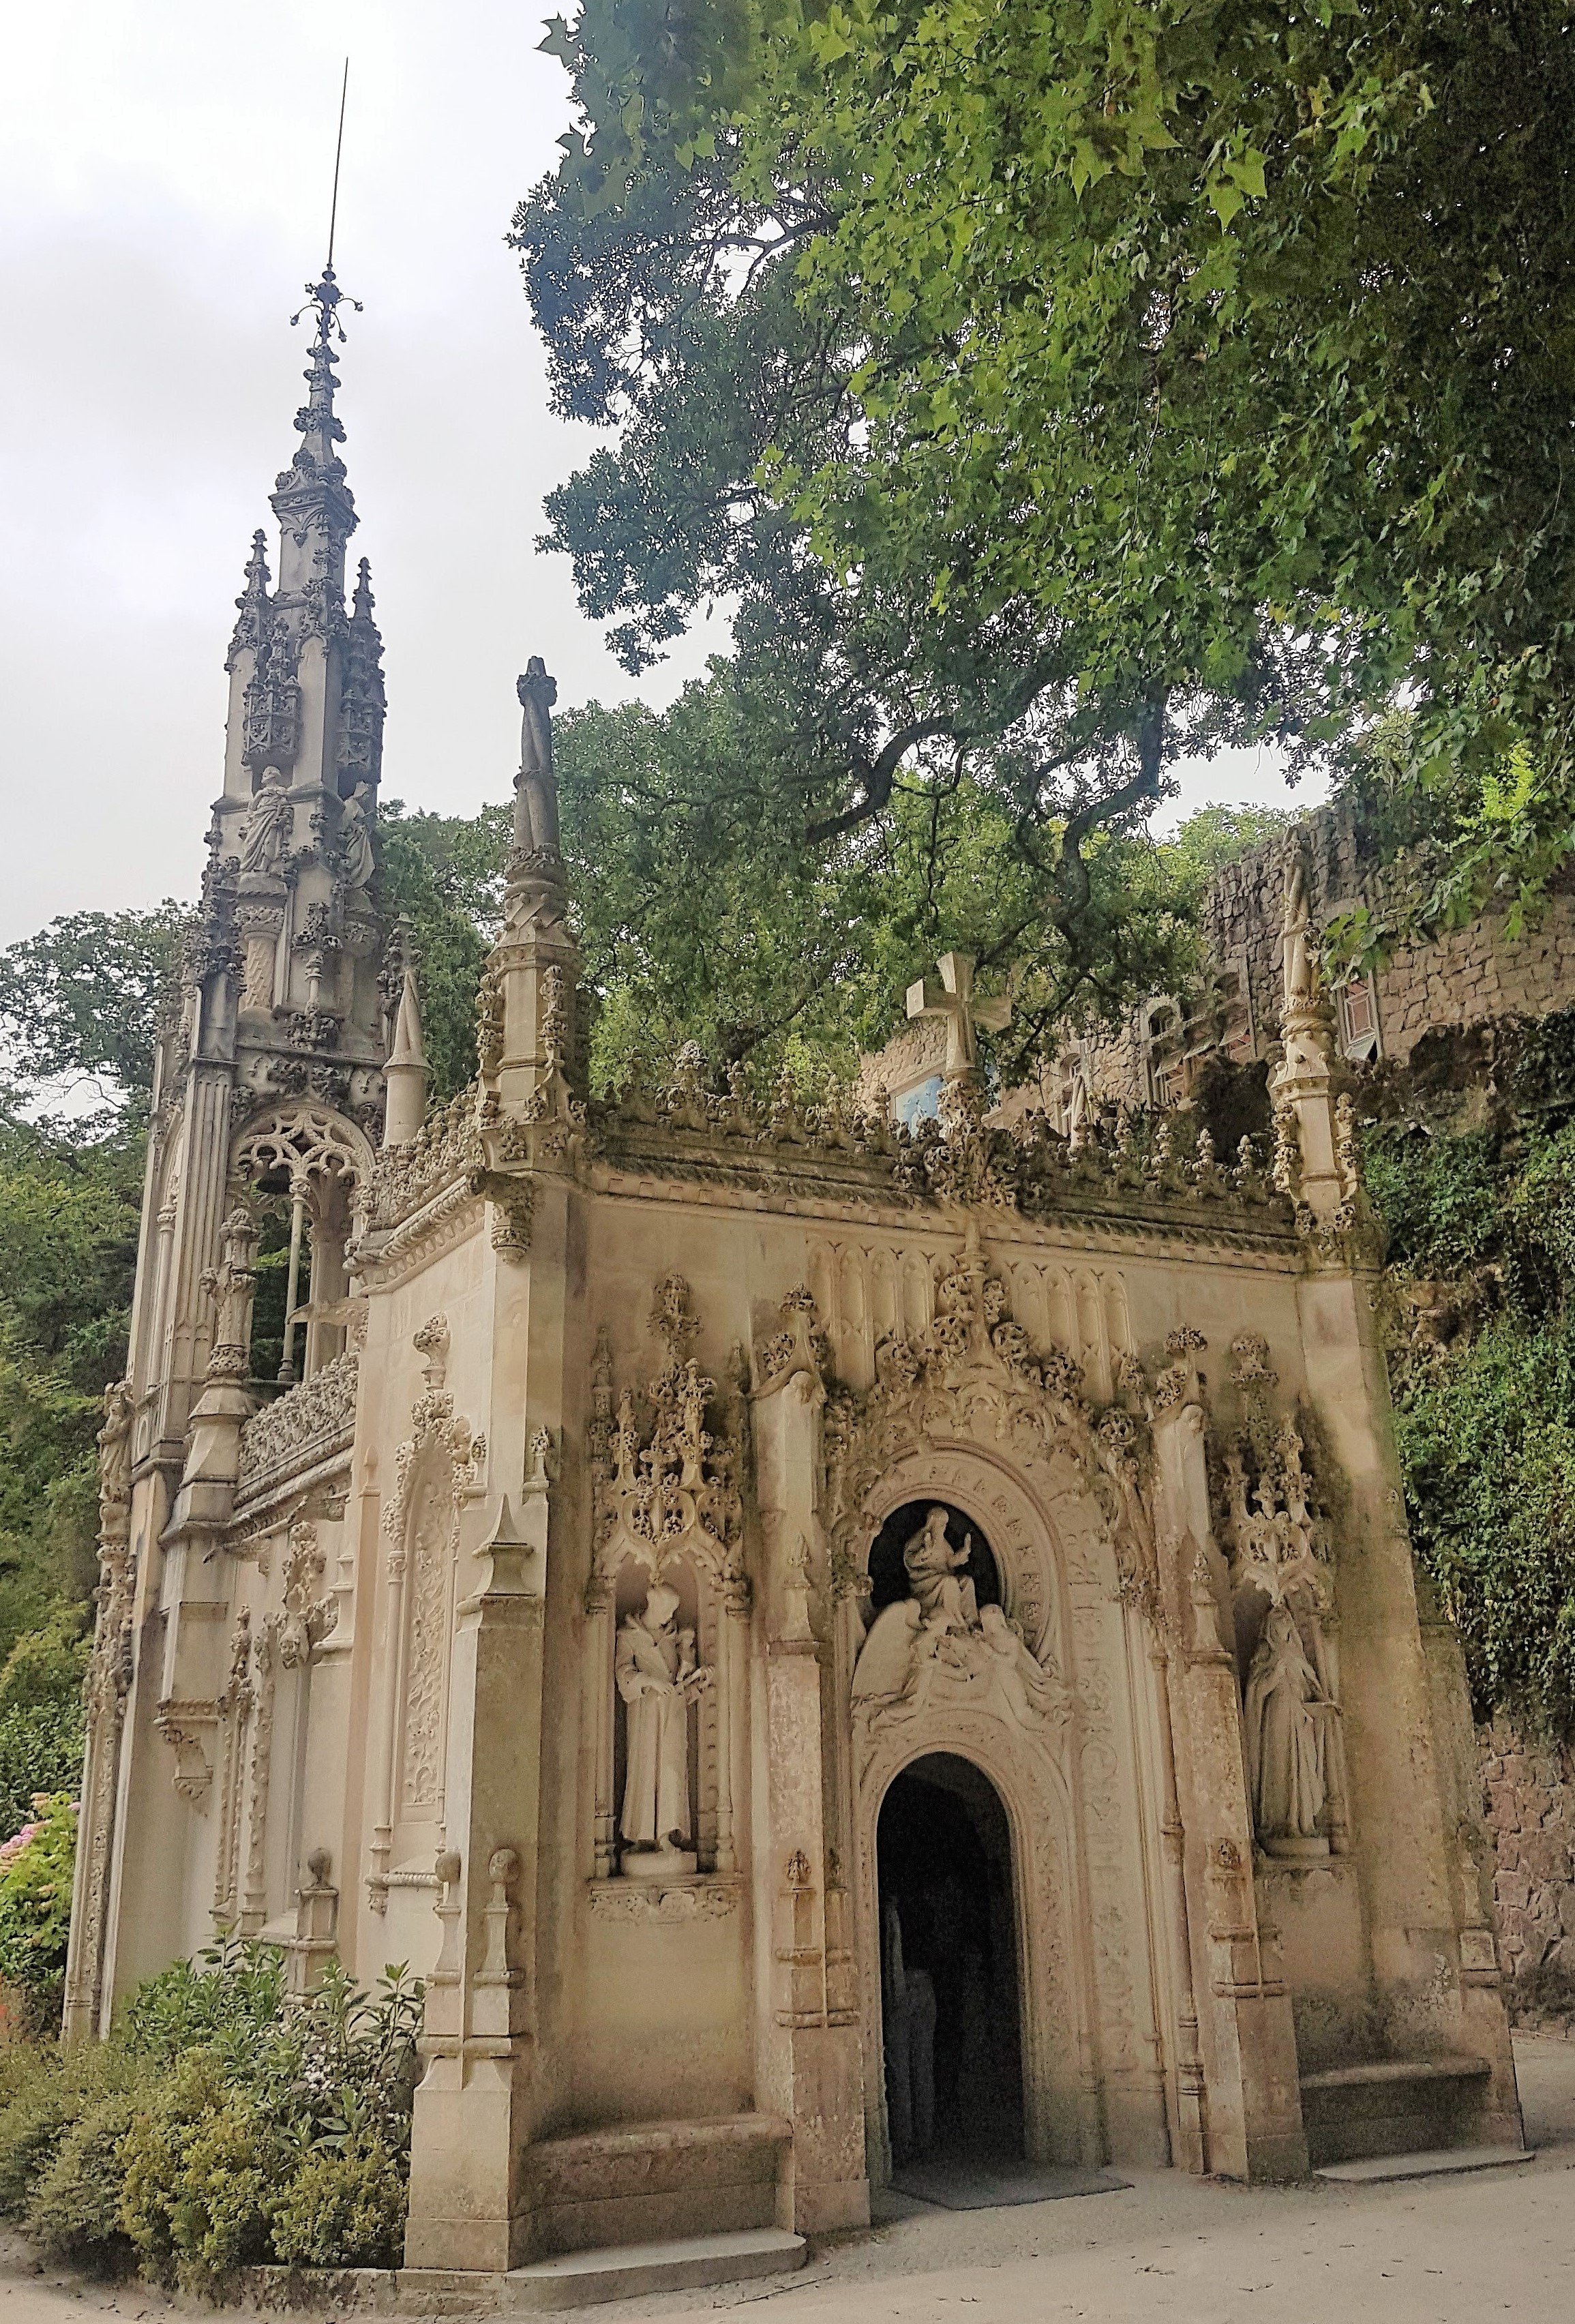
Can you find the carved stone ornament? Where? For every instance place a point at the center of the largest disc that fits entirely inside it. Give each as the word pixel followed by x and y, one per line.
pixel 310 1615
pixel 307 1425
pixel 938 1650
pixel 308 1144
pixel 439 1466
pixel 1276 1541
pixel 973 1375
pixel 672 1902
pixel 665 1486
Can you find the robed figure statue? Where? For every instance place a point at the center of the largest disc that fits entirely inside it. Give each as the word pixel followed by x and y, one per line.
pixel 536 786
pixel 1284 1712
pixel 658 1677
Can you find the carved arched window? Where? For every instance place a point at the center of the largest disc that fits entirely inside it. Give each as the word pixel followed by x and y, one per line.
pixel 303 1167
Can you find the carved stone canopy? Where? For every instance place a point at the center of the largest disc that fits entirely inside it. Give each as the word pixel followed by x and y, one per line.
pixel 665 1464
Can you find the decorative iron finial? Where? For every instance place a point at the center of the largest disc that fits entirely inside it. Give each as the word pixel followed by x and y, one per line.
pixel 324 299
pixel 326 296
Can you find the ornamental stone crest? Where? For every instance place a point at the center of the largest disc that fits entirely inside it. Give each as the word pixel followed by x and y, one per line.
pixel 665 1465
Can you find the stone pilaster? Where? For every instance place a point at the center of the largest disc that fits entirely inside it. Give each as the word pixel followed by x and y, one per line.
pixel 470 2130
pixel 808 2048
pixel 1250 2120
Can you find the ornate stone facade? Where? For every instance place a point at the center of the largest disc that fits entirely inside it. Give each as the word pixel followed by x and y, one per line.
pixel 732 1559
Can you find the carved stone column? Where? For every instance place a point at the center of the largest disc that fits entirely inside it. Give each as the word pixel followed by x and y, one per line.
pixel 808 2045
pixel 470 2129
pixel 108 1677
pixel 1245 2028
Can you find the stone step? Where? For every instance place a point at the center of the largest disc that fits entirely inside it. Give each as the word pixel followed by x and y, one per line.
pixel 1433 2164
pixel 626 2270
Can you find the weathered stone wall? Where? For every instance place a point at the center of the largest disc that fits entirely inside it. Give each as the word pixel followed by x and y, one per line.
pixel 1529 1802
pixel 1476 972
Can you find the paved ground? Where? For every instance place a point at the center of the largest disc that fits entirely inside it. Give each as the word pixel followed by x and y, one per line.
pixel 1446 2250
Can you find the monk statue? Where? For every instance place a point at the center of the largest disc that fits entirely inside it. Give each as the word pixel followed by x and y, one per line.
pixel 266 832
pixel 536 788
pixel 1284 1712
pixel 658 1678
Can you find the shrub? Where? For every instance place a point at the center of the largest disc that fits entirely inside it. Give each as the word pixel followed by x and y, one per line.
pixel 73 2207
pixel 40 1750
pixel 35 1903
pixel 46 1666
pixel 224 2123
pixel 343 2208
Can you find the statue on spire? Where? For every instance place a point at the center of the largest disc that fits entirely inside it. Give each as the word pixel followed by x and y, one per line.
pixel 536 786
pixel 1301 974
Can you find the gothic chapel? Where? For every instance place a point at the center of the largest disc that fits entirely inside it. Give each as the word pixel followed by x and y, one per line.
pixel 821 1642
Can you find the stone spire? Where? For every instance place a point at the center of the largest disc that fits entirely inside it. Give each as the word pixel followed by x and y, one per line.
pixel 312 500
pixel 1316 1161
pixel 287 1010
pixel 405 1072
pixel 533 966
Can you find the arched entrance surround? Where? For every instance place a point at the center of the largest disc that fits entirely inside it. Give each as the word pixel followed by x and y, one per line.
pixel 1036 1772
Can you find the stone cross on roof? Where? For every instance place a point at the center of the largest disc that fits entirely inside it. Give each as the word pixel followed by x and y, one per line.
pixel 952 1001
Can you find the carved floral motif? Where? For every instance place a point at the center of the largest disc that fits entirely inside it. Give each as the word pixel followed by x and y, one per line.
pixel 307 1424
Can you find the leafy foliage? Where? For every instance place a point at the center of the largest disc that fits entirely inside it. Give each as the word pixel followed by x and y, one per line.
pixel 1108 383
pixel 35 1902
pixel 1481 1295
pixel 79 1001
pixel 69 1205
pixel 1486 1438
pixel 40 1750
pixel 222 2123
pixel 443 875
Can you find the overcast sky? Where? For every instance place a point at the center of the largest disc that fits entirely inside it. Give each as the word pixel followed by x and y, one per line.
pixel 164 180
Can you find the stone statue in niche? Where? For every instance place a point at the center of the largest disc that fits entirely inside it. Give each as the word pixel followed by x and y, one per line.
pixel 266 833
pixel 1285 1711
pixel 933 1567
pixel 355 838
pixel 940 1648
pixel 658 1677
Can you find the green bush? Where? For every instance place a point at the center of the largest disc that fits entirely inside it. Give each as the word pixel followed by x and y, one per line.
pixel 46 1666
pixel 1486 1440
pixel 344 2207
pixel 40 1750
pixel 224 2123
pixel 71 2208
pixel 35 1903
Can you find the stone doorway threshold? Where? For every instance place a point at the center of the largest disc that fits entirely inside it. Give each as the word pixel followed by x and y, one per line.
pixel 985 2185
pixel 626 2270
pixel 1369 2169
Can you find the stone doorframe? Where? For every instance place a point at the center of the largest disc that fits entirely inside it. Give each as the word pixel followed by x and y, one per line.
pixel 1035 1774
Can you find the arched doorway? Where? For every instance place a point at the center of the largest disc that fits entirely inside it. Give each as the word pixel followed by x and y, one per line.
pixel 949 1975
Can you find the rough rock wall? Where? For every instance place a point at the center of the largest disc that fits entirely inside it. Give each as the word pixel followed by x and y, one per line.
pixel 1529 1802
pixel 1474 974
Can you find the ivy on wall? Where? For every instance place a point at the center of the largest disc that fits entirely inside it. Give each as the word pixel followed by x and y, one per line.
pixel 1473 1173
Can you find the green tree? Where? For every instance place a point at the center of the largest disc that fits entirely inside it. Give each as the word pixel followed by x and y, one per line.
pixel 1116 382
pixel 443 875
pixel 703 915
pixel 79 1001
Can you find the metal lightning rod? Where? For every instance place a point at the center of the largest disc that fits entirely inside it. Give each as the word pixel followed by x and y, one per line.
pixel 338 153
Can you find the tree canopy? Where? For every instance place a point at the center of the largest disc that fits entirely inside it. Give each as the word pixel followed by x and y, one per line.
pixel 1056 392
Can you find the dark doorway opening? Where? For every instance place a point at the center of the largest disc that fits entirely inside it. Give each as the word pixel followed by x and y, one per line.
pixel 949 1987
